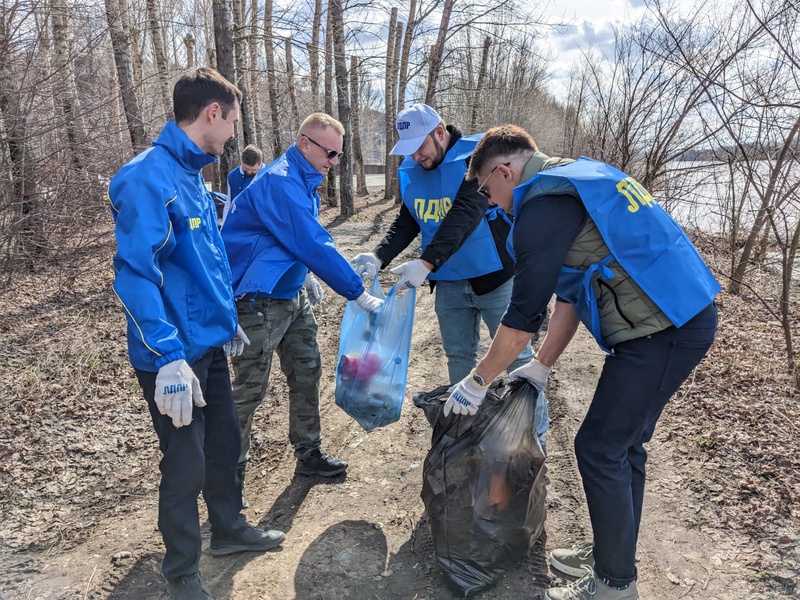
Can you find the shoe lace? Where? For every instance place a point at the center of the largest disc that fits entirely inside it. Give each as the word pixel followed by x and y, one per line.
pixel 585 550
pixel 585 586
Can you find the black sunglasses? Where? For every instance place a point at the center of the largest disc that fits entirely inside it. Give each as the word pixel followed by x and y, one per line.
pixel 330 154
pixel 483 192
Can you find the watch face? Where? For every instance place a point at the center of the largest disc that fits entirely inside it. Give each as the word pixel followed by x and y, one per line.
pixel 478 379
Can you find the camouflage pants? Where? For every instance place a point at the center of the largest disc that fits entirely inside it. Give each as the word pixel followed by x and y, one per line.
pixel 288 327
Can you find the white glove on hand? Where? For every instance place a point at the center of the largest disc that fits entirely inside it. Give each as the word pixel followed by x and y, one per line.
pixel 411 274
pixel 236 346
pixel 313 289
pixel 466 397
pixel 371 304
pixel 534 371
pixel 176 387
pixel 366 264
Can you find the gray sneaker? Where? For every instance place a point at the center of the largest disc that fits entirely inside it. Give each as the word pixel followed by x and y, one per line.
pixel 573 561
pixel 188 587
pixel 591 587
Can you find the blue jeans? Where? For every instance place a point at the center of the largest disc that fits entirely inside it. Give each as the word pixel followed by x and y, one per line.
pixel 633 389
pixel 200 456
pixel 460 310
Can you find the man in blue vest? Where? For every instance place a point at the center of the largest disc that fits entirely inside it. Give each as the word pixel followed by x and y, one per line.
pixel 173 280
pixel 275 245
pixel 240 177
pixel 618 263
pixel 463 239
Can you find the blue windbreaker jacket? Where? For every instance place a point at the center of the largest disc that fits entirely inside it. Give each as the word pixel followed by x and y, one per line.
pixel 238 181
pixel 172 275
pixel 272 236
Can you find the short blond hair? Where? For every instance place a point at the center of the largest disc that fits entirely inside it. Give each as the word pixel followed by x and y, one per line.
pixel 319 120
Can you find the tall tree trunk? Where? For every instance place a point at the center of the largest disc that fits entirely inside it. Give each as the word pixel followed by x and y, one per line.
pixel 122 60
pixel 243 79
pixel 255 97
pixel 188 41
pixel 67 94
pixel 272 85
pixel 290 83
pixel 473 122
pixel 154 21
pixel 437 53
pixel 346 161
pixel 223 41
pixel 26 213
pixel 313 55
pixel 330 194
pixel 355 110
pixel 398 38
pixel 403 75
pixel 389 105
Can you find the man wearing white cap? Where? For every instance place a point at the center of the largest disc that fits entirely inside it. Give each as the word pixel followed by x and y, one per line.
pixel 463 239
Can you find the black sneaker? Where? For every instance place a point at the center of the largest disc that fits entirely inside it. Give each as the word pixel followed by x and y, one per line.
pixel 319 463
pixel 247 539
pixel 188 587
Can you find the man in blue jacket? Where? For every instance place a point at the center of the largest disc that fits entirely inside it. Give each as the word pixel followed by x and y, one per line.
pixel 174 283
pixel 240 177
pixel 275 245
pixel 618 263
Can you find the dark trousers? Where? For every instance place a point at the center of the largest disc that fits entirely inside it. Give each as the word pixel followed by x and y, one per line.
pixel 634 387
pixel 200 456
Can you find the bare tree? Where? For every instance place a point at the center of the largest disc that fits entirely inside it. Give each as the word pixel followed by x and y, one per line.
pixel 313 55
pixel 243 80
pixel 336 13
pixel 272 85
pixel 66 94
pixel 406 52
pixel 435 62
pixel 473 122
pixel 355 109
pixel 223 41
pixel 156 35
pixel 122 60
pixel 389 174
pixel 252 45
pixel 331 195
pixel 295 123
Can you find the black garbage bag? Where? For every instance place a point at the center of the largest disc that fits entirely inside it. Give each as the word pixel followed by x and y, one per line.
pixel 483 484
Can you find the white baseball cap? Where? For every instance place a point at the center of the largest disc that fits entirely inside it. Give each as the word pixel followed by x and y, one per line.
pixel 413 126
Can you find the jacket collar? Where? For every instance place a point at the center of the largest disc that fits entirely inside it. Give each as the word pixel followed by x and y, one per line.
pixel 173 139
pixel 310 176
pixel 535 164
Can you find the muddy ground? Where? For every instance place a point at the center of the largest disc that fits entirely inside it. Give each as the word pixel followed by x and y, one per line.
pixel 79 462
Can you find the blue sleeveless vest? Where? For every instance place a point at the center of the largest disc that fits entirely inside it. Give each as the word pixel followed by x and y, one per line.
pixel 642 238
pixel 428 195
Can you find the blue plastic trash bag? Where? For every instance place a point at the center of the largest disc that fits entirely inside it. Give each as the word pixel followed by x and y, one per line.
pixel 372 365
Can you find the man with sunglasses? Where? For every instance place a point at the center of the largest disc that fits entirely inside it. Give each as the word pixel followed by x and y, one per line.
pixel 620 265
pixel 464 252
pixel 275 244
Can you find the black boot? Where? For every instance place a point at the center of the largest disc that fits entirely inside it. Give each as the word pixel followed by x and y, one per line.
pixel 240 471
pixel 319 463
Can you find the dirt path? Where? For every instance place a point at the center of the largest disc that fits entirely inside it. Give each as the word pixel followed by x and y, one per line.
pixel 364 536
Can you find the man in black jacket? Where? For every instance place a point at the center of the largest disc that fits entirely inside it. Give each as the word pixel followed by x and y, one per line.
pixel 463 239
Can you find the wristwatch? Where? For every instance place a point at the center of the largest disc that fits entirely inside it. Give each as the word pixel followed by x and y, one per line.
pixel 477 378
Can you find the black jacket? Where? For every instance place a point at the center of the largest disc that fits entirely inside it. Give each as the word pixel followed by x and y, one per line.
pixel 469 207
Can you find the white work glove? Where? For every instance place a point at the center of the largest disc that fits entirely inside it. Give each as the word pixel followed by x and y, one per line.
pixel 371 304
pixel 366 264
pixel 466 397
pixel 236 346
pixel 411 274
pixel 534 371
pixel 313 289
pixel 176 387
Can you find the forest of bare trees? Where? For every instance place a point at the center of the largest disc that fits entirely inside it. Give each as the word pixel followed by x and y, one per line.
pixel 86 85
